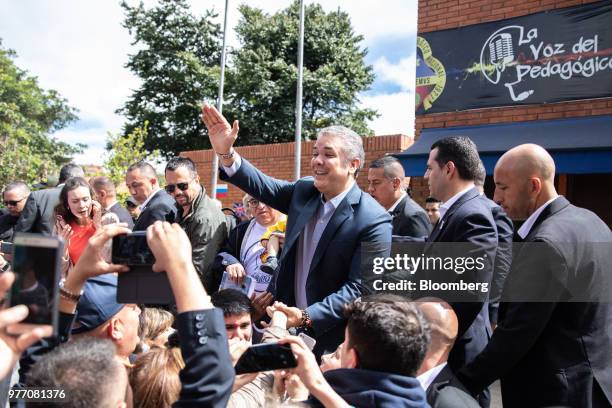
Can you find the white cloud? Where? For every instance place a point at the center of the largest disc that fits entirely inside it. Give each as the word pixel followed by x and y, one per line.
pixel 402 73
pixel 397 113
pixel 79 48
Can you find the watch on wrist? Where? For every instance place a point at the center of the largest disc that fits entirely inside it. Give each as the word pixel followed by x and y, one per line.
pixel 5 267
pixel 306 321
pixel 73 297
pixel 228 155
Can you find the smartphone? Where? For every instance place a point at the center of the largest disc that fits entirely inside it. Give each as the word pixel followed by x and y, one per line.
pixel 247 286
pixel 265 357
pixel 309 341
pixel 132 249
pixel 6 247
pixel 140 285
pixel 37 265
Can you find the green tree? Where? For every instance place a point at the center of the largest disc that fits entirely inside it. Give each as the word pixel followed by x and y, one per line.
pixel 263 80
pixel 178 63
pixel 125 150
pixel 28 116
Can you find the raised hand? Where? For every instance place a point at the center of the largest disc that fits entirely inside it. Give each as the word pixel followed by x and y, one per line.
pixel 221 134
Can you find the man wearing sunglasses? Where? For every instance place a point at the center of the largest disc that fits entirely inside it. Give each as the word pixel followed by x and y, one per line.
pixel 198 215
pixel 14 198
pixel 155 203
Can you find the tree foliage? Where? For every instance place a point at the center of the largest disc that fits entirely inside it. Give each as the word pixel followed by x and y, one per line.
pixel 28 116
pixel 178 63
pixel 262 82
pixel 125 150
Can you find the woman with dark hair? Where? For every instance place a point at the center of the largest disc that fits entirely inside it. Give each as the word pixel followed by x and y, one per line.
pixel 77 216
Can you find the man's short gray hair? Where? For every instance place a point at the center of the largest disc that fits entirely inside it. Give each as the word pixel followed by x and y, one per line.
pixel 16 185
pixel 352 145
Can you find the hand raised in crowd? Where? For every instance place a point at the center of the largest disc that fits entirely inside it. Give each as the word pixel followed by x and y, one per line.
pixel 236 272
pixel 11 347
pixel 310 374
pixel 260 303
pixel 281 238
pixel 237 347
pixel 63 230
pixel 221 135
pixel 92 263
pixel 172 250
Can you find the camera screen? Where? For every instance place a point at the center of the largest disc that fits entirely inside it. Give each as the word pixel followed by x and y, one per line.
pixel 36 270
pixel 132 249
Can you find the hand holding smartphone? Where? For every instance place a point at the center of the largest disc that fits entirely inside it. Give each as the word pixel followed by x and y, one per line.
pixel 265 357
pixel 37 267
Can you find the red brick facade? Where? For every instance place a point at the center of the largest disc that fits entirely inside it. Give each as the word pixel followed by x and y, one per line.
pixel 435 15
pixel 276 160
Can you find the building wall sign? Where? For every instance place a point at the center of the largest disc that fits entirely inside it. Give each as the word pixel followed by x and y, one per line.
pixel 553 56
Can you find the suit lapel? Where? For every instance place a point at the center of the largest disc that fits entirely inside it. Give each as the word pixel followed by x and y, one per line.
pixel 344 211
pixel 437 231
pixel 306 215
pixel 557 205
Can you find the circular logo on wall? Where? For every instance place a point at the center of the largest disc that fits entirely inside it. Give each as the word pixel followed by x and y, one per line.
pixel 430 76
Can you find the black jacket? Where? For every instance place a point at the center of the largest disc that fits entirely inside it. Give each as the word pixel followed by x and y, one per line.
pixel 161 208
pixel 409 219
pixel 7 222
pixel 37 214
pixel 446 391
pixel 553 353
pixel 468 220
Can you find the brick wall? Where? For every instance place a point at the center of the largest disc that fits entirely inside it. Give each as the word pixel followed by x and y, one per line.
pixel 435 15
pixel 276 160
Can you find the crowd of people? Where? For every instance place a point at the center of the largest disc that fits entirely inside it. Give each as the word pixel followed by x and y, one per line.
pixel 301 245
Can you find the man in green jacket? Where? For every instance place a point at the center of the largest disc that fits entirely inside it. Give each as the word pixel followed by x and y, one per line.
pixel 200 217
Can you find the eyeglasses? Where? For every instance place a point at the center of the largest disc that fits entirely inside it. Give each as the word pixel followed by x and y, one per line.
pixel 13 203
pixel 253 203
pixel 181 186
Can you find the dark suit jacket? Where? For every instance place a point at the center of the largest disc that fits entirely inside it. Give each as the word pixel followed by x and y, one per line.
pixel 123 214
pixel 469 220
pixel 335 276
pixel 7 222
pixel 503 256
pixel 162 207
pixel 446 391
pixel 553 353
pixel 37 215
pixel 230 252
pixel 409 219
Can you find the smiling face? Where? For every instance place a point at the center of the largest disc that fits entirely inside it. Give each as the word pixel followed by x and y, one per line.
pixel 79 202
pixel 332 171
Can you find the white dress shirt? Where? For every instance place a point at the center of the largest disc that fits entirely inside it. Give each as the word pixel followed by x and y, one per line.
pixel 392 208
pixel 143 205
pixel 528 224
pixel 449 203
pixel 428 376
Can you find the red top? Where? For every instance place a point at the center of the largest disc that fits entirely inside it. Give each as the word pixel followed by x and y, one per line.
pixel 78 240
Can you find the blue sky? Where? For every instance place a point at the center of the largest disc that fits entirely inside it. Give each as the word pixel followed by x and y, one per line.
pixel 79 49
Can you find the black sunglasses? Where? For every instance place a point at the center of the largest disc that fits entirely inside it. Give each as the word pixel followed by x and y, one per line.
pixel 181 186
pixel 13 203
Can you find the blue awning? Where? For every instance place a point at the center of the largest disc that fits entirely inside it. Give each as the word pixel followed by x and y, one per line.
pixel 578 146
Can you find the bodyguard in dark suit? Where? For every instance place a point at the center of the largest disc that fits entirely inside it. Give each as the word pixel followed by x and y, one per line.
pixel 503 256
pixel 442 388
pixel 37 215
pixel 464 218
pixel 14 198
pixel 106 195
pixel 553 344
pixel 385 184
pixel 329 220
pixel 155 203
